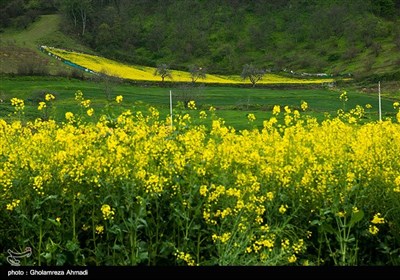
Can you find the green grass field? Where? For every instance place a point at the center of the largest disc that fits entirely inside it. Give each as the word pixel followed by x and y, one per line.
pixel 232 103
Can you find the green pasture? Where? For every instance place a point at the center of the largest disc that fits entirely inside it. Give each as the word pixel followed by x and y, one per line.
pixel 231 103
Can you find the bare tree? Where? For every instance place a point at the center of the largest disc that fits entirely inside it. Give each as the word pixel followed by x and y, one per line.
pixel 108 82
pixel 197 72
pixel 78 10
pixel 253 73
pixel 163 71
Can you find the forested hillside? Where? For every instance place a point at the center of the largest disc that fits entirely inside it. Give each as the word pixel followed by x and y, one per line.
pixel 340 37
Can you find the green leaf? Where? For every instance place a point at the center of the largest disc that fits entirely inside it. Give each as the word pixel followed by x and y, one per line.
pixel 116 247
pixel 72 246
pixel 315 222
pixel 61 259
pixel 356 217
pixel 143 256
pixel 54 222
pixel 327 228
pixel 47 256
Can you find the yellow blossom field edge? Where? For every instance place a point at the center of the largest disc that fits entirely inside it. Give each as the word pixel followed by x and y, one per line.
pixel 143 73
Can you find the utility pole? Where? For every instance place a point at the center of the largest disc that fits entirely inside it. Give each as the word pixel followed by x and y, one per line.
pixel 170 105
pixel 380 104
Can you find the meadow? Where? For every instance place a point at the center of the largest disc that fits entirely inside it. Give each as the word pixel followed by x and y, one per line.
pixel 232 102
pixel 241 176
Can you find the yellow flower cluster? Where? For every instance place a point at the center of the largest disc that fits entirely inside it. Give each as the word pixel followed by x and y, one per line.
pixel 49 97
pixel 343 96
pixel 251 117
pixel 99 229
pixel 13 204
pixel 41 105
pixel 19 105
pixel 119 98
pixel 304 105
pixel 221 238
pixel 108 212
pixel 186 257
pixel 16 102
pixel 283 208
pixel 377 219
pixel 192 105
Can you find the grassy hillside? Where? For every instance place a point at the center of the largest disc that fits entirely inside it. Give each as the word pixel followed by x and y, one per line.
pixel 360 37
pixel 19 52
pixel 19 49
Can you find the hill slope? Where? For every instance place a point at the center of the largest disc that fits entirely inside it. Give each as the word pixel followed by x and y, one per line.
pixel 361 37
pixel 19 49
pixel 20 54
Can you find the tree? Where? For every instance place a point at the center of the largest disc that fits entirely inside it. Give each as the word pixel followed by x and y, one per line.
pixel 163 71
pixel 108 81
pixel 253 73
pixel 197 72
pixel 78 11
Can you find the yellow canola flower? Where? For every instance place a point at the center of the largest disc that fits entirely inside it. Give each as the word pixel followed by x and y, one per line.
pixel 292 258
pixel 11 206
pixel 203 190
pixel 276 110
pixel 49 97
pixel 119 98
pixel 397 184
pixel 283 208
pixel 69 116
pixel 341 214
pixel 343 97
pixel 185 257
pixel 17 102
pixel 99 229
pixel 192 105
pixel 304 105
pixel 251 117
pixel 108 212
pixel 90 112
pixel 378 219
pixel 41 105
pixel 85 103
pixel 373 229
pixel 270 196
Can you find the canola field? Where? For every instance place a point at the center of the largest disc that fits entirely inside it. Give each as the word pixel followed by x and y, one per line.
pixel 96 64
pixel 136 189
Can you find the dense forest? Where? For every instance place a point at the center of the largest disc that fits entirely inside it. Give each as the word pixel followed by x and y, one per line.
pixel 223 35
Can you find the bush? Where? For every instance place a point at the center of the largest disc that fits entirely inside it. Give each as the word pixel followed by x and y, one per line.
pixel 32 67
